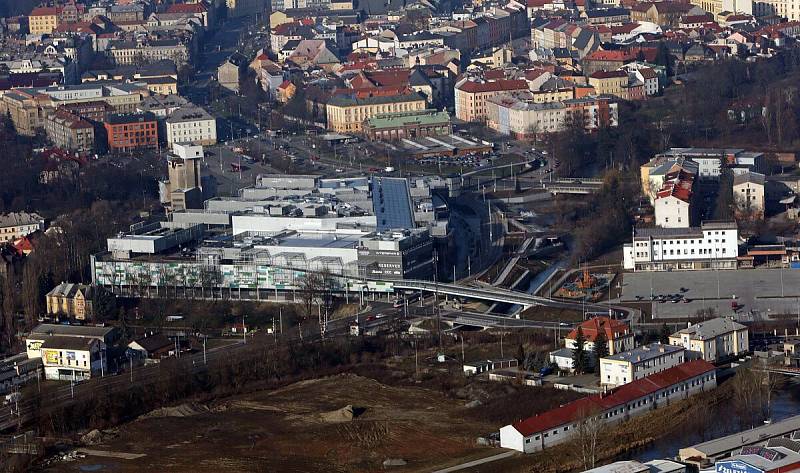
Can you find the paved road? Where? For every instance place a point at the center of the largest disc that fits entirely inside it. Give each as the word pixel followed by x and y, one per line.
pixel 762 291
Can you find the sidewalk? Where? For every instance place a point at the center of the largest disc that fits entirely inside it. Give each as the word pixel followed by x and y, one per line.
pixel 499 456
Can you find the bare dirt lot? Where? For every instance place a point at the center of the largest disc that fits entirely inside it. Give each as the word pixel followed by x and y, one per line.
pixel 299 428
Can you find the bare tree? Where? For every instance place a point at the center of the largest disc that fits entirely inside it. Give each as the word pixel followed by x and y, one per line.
pixel 587 435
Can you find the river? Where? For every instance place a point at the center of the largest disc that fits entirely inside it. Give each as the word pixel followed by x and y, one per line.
pixel 722 420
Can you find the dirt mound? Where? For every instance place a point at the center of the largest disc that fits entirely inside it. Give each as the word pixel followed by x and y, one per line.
pixel 94 437
pixel 181 410
pixel 345 414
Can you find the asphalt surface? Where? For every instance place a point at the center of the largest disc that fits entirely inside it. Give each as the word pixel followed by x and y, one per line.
pixel 759 293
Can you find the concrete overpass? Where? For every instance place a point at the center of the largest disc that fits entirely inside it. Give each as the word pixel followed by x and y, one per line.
pixel 500 295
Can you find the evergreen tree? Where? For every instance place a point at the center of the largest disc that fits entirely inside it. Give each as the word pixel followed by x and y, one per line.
pixel 579 353
pixel 664 335
pixel 600 349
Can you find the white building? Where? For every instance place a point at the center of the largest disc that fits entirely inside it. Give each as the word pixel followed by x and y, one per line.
pixel 16 225
pixel 713 340
pixel 191 125
pixel 712 245
pixel 622 368
pixel 639 397
pixel 748 193
pixel 673 209
pixel 71 358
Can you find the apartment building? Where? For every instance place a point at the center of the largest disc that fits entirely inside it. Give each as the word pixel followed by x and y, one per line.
pixel 748 193
pixel 519 115
pixel 69 131
pixel 472 95
pixel 73 301
pixel 674 205
pixel 713 340
pixel 623 368
pixel 16 225
pixel 347 112
pixel 610 83
pixel 712 245
pixel 43 20
pixel 130 132
pixel 191 125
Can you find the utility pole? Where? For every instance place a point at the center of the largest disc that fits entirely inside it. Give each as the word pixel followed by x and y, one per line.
pixel 244 331
pixel 205 361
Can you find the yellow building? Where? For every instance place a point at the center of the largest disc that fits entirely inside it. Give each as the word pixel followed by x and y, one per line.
pixel 74 301
pixel 559 95
pixel 347 113
pixel 609 82
pixel 43 20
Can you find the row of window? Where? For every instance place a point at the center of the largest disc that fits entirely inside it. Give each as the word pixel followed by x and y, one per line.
pixel 639 403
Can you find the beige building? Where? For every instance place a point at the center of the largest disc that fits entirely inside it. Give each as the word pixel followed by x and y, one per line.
pixel 43 20
pixel 609 82
pixel 471 96
pixel 16 225
pixel 347 113
pixel 748 193
pixel 69 131
pixel 28 107
pixel 713 340
pixel 625 367
pixel 74 301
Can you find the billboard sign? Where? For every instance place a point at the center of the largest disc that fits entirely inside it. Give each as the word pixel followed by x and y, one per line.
pixel 50 356
pixel 735 466
pixel 70 355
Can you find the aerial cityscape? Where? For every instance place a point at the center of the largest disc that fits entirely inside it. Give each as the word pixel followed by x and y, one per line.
pixel 540 236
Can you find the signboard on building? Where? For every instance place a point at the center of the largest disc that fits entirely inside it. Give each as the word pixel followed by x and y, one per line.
pixel 50 356
pixel 70 355
pixel 735 466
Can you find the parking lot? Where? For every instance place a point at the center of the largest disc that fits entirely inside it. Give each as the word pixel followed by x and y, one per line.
pixel 758 293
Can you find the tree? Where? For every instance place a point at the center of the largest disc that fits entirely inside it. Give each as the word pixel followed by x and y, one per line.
pixel 579 358
pixel 587 434
pixel 600 349
pixel 663 336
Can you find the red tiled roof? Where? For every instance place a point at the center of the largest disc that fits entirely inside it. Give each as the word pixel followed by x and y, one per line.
pixel 390 77
pixel 614 55
pixel 494 74
pixel 608 74
pixel 187 8
pixel 473 87
pixel 576 410
pixel 590 328
pixel 44 11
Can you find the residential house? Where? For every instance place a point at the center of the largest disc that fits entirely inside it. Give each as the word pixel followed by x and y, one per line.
pixel 619 338
pixel 72 301
pixel 16 225
pixel 152 346
pixel 605 61
pixel 674 202
pixel 748 194
pixel 623 368
pixel 713 340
